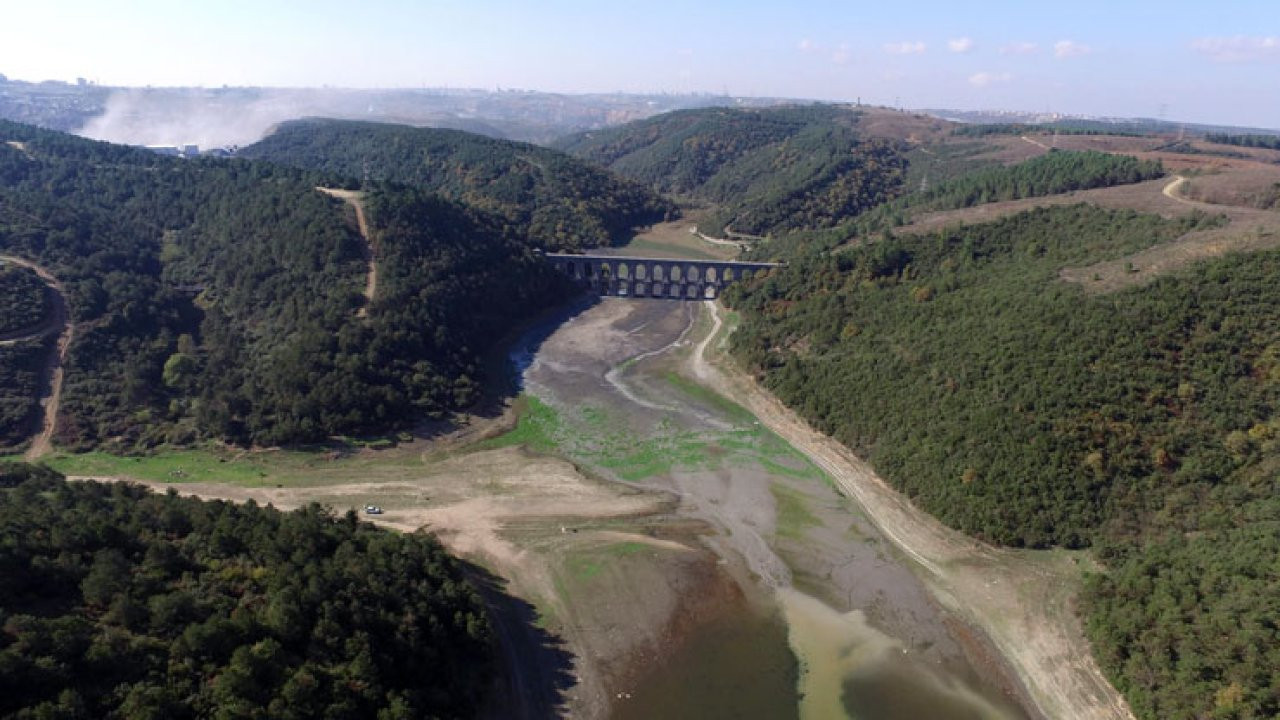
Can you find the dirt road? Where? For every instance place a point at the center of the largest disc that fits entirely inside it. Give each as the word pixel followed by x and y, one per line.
pixel 1024 601
pixel 60 317
pixel 718 241
pixel 355 199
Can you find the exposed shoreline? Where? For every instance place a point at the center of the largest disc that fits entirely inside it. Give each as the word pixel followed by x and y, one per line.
pixel 1021 601
pixel 626 575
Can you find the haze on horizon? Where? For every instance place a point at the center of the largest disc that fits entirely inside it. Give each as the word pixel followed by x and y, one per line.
pixel 1177 60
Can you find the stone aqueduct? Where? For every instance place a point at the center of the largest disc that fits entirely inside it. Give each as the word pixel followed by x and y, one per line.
pixel 654 277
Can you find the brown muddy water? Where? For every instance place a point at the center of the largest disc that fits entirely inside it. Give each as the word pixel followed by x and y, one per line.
pixel 837 625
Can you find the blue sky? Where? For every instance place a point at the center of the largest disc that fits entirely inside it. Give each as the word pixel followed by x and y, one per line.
pixel 1206 62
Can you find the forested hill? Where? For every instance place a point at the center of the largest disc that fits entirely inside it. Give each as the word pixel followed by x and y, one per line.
pixel 121 603
pixel 1054 173
pixel 769 170
pixel 1021 409
pixel 559 202
pixel 218 298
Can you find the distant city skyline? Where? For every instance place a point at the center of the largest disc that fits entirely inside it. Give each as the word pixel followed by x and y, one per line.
pixel 1176 60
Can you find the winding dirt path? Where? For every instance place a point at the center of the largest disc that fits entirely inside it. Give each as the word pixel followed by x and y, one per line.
pixel 1023 600
pixel 1171 191
pixel 59 317
pixel 355 199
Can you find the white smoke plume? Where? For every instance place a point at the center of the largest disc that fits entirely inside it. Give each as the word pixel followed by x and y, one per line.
pixel 209 118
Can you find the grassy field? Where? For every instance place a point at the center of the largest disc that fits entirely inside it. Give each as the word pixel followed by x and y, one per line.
pixel 794 516
pixel 215 464
pixel 537 428
pixel 601 439
pixel 673 240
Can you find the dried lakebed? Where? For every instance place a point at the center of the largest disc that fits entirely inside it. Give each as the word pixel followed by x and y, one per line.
pixel 654 550
pixel 832 622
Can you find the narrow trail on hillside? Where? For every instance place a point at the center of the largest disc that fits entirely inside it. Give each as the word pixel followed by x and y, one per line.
pixel 1023 600
pixel 355 199
pixel 1037 143
pixel 1171 191
pixel 59 317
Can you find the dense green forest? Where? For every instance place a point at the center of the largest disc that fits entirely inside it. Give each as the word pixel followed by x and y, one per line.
pixel 1060 128
pixel 1271 142
pixel 21 372
pixel 965 182
pixel 559 202
pixel 1018 408
pixel 118 602
pixel 1050 174
pixel 22 299
pixel 1053 173
pixel 769 171
pixel 962 178
pixel 218 298
pixel 24 304
pixel 451 282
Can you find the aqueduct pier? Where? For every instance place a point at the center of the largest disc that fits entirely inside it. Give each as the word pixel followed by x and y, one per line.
pixel 625 276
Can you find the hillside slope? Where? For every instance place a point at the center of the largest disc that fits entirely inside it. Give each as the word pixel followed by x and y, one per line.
pixel 220 298
pixel 559 202
pixel 1026 411
pixel 768 170
pixel 160 606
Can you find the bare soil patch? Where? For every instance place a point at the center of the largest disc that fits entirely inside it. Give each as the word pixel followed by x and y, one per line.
pixel 1122 144
pixel 1009 149
pixel 899 125
pixel 1244 186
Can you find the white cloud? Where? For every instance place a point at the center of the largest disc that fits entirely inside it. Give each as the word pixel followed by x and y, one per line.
pixel 1020 48
pixel 805 45
pixel 960 45
pixel 985 79
pixel 1240 48
pixel 1069 48
pixel 841 55
pixel 905 48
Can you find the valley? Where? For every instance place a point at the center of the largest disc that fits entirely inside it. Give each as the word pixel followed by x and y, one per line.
pixel 1001 396
pixel 673 512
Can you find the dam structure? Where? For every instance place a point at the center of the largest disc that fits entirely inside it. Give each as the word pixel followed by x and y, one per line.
pixel 674 278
